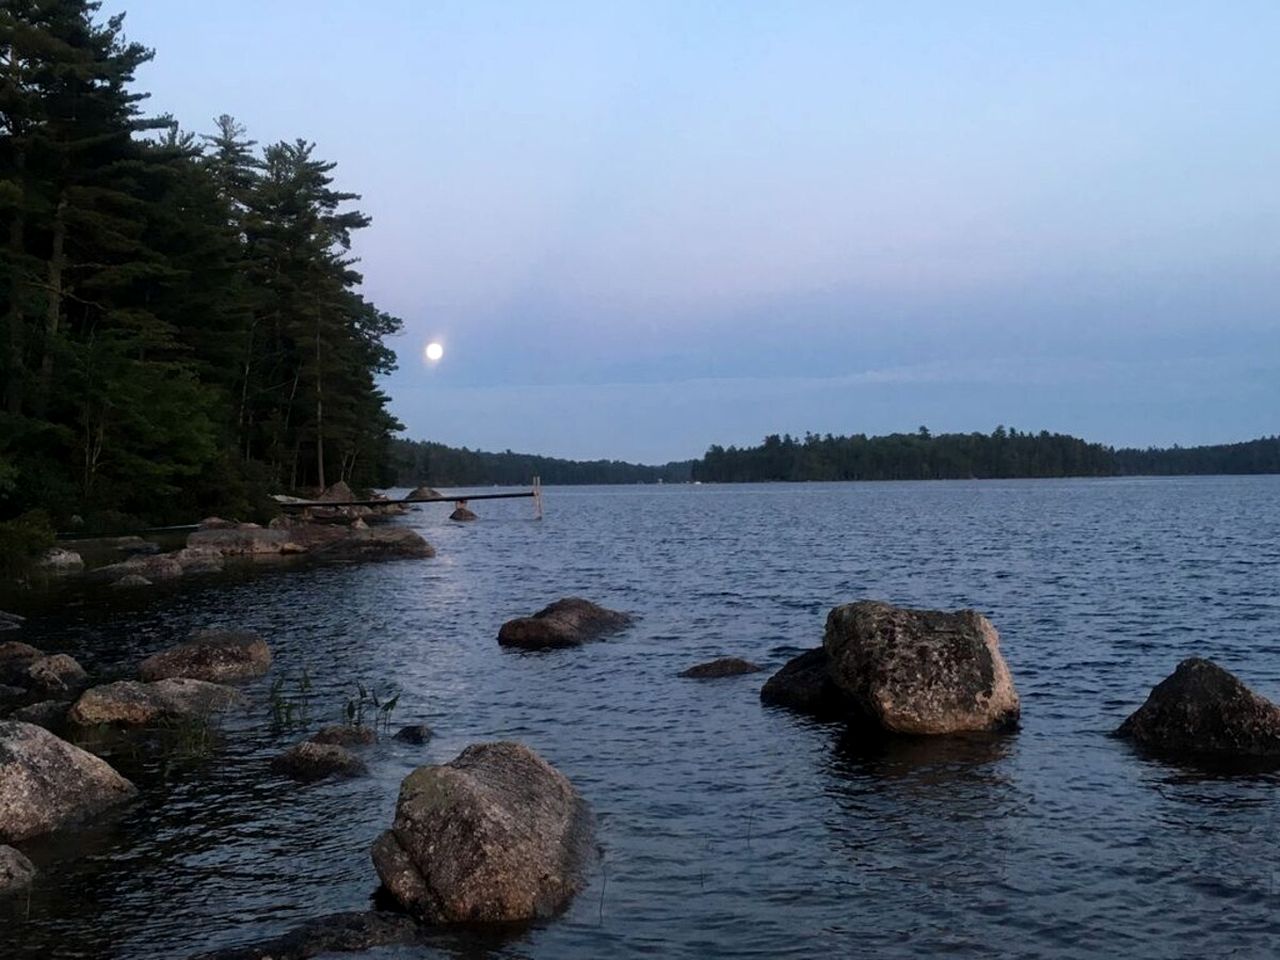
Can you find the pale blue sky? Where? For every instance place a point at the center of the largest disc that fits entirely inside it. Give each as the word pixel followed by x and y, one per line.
pixel 640 228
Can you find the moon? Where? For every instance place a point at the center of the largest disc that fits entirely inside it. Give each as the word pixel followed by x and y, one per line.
pixel 434 351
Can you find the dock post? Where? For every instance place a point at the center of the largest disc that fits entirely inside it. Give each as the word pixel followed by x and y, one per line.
pixel 537 498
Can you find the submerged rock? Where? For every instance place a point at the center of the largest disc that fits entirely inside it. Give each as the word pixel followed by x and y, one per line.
pixel 214 655
pixel 56 675
pixel 565 623
pixel 463 515
pixel 423 493
pixel 414 733
pixel 495 835
pixel 309 761
pixel 16 871
pixel 46 783
pixel 130 580
pixel 161 566
pixel 345 736
pixel 336 933
pixel 723 667
pixel 1203 710
pixel 921 671
pixel 129 703
pixel 804 684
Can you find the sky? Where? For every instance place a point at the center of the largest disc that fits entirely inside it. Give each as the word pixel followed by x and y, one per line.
pixel 640 228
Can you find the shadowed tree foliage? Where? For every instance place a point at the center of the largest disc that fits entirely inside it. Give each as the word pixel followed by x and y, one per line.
pixel 182 327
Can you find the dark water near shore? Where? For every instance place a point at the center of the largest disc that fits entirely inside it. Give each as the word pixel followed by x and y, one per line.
pixel 730 829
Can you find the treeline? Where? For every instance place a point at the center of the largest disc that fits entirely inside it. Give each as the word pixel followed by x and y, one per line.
pixel 181 327
pixel 1004 453
pixel 1252 456
pixel 442 466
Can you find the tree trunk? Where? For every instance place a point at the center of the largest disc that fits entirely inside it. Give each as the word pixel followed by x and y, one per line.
pixel 53 310
pixel 13 389
pixel 319 412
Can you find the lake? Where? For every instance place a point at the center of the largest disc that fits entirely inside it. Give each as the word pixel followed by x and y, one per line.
pixel 729 829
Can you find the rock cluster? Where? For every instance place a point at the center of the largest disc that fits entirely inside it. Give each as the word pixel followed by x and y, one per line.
pixel 495 835
pixel 566 623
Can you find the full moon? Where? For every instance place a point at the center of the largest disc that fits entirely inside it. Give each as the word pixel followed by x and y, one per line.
pixel 434 352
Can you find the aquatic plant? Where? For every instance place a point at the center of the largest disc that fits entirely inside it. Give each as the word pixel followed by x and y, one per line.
pixel 289 710
pixel 366 699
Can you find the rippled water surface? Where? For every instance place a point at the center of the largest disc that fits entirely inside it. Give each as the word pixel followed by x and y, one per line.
pixel 730 829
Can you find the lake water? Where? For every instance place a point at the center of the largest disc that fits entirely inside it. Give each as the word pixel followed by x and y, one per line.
pixel 730 829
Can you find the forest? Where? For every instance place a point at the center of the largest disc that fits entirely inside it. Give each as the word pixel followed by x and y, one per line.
pixel 443 466
pixel 181 324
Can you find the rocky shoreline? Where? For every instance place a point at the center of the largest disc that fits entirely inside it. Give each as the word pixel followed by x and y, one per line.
pixel 497 834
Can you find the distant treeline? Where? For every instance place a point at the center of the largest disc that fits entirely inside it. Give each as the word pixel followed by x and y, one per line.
pixel 442 466
pixel 1004 453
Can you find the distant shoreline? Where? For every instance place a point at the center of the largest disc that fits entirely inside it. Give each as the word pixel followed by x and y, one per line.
pixel 1000 455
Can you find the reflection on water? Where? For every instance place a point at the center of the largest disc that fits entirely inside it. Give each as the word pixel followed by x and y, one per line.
pixel 729 830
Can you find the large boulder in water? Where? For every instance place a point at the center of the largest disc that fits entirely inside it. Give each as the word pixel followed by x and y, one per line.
pixel 128 703
pixel 495 835
pixel 565 623
pixel 1203 710
pixel 217 656
pixel 46 783
pixel 921 671
pixel 337 493
pixel 423 493
pixel 15 658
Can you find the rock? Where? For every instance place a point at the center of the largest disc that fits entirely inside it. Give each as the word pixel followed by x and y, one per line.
pixel 308 761
pixel 463 515
pixel 59 562
pixel 130 580
pixel 1203 710
pixel 358 524
pixel 16 871
pixel 345 736
pixel 239 542
pixel 495 835
pixel 218 656
pixel 338 493
pixel 50 714
pixel 724 667
pixel 10 695
pixel 414 733
pixel 196 560
pixel 336 933
pixel 921 671
pixel 805 685
pixel 565 623
pixel 15 658
pixel 162 566
pixel 330 541
pixel 46 783
pixel 423 493
pixel 57 675
pixel 215 523
pixel 128 703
